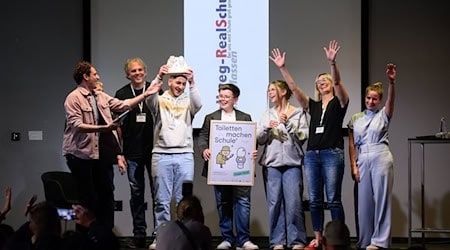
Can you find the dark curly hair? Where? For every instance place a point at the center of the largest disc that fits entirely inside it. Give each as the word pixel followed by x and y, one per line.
pixel 82 68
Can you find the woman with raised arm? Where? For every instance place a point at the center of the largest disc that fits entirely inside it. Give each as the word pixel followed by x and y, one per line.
pixel 372 164
pixel 324 159
pixel 283 131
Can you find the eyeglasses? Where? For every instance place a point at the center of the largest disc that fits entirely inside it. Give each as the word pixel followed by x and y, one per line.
pixel 322 81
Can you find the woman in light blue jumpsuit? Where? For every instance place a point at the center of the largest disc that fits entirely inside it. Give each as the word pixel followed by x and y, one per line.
pixel 372 164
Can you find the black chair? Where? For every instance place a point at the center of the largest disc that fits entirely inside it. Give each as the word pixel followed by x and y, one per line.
pixel 60 188
pixel 61 191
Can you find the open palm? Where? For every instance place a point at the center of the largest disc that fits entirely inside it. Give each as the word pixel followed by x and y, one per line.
pixel 278 58
pixel 332 50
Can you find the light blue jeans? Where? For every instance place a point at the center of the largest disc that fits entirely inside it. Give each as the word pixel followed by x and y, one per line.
pixel 233 204
pixel 325 168
pixel 169 172
pixel 286 216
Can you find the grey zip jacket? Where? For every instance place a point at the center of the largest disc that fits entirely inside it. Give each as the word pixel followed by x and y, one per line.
pixel 284 144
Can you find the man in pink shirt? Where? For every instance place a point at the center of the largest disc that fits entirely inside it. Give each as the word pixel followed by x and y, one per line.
pixel 91 143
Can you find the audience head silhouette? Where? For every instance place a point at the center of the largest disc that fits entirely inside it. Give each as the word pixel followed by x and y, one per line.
pixel 336 236
pixel 190 208
pixel 44 219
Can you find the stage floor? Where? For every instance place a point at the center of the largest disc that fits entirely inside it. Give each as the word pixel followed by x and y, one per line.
pixel 263 243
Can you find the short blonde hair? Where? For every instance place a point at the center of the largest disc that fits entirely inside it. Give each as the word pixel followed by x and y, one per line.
pixel 136 59
pixel 317 95
pixel 99 86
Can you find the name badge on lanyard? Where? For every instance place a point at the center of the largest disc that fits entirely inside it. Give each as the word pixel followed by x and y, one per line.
pixel 319 130
pixel 141 117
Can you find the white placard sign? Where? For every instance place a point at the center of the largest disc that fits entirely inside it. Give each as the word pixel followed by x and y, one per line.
pixel 232 144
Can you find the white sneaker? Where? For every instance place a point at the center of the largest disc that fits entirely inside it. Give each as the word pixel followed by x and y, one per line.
pixel 153 245
pixel 224 245
pixel 298 247
pixel 372 247
pixel 248 245
pixel 278 247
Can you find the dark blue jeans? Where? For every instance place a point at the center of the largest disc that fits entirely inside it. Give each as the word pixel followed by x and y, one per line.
pixel 136 178
pixel 233 204
pixel 325 168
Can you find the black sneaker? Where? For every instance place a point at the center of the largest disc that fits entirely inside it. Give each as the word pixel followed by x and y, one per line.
pixel 136 242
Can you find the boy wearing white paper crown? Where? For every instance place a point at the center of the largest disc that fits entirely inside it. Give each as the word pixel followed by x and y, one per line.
pixel 173 153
